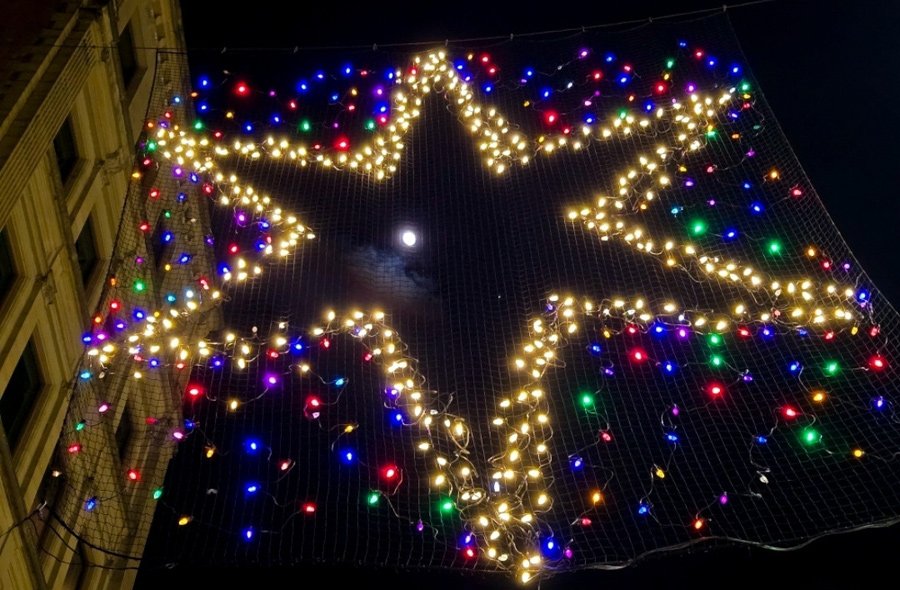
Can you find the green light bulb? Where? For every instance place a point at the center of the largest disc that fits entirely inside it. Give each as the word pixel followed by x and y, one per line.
pixel 698 227
pixel 715 339
pixel 370 125
pixel 811 436
pixel 773 247
pixel 305 125
pixel 157 493
pixel 716 361
pixel 373 498
pixel 80 426
pixel 587 400
pixel 151 146
pixel 670 63
pixel 832 368
pixel 139 286
pixel 198 125
pixel 447 505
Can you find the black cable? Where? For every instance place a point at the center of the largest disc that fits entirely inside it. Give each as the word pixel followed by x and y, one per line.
pixel 88 543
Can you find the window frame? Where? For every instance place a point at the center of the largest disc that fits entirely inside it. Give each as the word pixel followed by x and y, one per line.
pixel 65 151
pixel 87 267
pixel 8 270
pixel 129 65
pixel 17 428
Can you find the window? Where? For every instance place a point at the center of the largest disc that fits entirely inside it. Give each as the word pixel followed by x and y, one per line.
pixel 123 432
pixel 7 268
pixel 18 399
pixel 48 493
pixel 66 151
pixel 127 56
pixel 161 239
pixel 86 249
pixel 78 567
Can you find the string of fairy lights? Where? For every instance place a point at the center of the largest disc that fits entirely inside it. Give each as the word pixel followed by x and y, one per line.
pixel 502 504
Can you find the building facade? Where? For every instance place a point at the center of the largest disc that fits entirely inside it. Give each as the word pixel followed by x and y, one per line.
pixel 75 80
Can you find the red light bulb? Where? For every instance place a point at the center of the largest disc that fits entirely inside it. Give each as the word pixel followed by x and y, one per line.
pixel 551 117
pixel 390 472
pixel 308 508
pixel 790 412
pixel 133 475
pixel 877 362
pixel 715 389
pixel 241 89
pixel 638 355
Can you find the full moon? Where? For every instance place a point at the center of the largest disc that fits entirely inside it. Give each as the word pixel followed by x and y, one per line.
pixel 409 238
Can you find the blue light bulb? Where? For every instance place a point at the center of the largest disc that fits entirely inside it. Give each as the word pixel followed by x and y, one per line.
pixel 577 463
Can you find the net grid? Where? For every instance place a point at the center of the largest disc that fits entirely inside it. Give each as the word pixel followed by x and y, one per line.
pixel 624 322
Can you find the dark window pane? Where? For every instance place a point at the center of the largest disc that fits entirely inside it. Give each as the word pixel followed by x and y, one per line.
pixel 123 432
pixel 48 493
pixel 66 151
pixel 127 56
pixel 161 239
pixel 86 249
pixel 78 567
pixel 7 268
pixel 18 399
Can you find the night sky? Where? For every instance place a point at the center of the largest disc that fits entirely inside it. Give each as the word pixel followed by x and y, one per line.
pixel 826 73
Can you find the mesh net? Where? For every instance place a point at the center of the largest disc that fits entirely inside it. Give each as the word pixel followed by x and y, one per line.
pixel 544 305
